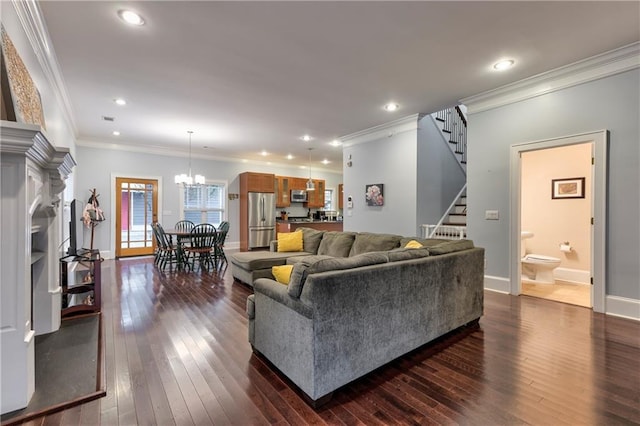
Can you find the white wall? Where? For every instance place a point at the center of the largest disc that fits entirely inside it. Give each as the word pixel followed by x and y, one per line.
pixel 611 103
pixel 390 161
pixel 97 165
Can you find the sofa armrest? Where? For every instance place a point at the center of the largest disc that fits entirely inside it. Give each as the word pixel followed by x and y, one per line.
pixel 278 292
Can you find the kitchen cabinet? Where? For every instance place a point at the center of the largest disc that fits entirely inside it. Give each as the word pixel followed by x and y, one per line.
pixel 282 191
pixel 315 199
pixel 257 182
pixel 297 183
pixel 80 278
pixel 340 196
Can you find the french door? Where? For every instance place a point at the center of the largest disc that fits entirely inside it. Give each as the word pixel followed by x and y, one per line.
pixel 136 210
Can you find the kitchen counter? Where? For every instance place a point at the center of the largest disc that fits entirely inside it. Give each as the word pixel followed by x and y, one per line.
pixel 321 225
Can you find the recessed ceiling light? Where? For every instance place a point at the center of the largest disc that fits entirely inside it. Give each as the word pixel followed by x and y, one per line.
pixel 504 64
pixel 120 101
pixel 264 153
pixel 115 133
pixel 306 138
pixel 130 17
pixel 289 157
pixel 335 142
pixel 325 161
pixel 391 106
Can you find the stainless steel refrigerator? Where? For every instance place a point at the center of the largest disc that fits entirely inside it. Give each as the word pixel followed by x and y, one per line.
pixel 262 219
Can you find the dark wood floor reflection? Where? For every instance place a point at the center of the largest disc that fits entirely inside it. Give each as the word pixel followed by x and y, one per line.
pixel 177 353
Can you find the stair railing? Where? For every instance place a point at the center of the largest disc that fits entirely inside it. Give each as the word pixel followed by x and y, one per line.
pixel 430 230
pixel 455 124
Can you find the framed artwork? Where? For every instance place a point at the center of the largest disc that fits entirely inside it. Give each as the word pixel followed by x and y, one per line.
pixel 374 194
pixel 567 188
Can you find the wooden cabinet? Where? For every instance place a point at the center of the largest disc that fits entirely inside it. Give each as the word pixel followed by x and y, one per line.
pixel 257 182
pixel 283 191
pixel 340 196
pixel 297 183
pixel 80 279
pixel 315 199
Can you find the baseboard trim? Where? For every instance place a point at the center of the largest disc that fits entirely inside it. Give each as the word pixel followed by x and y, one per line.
pixel 579 276
pixel 622 307
pixel 497 284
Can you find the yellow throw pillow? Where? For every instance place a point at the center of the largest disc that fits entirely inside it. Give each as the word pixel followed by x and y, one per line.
pixel 413 244
pixel 290 241
pixel 282 273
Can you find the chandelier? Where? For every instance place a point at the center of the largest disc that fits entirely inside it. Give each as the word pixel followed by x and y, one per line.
pixel 188 179
pixel 310 185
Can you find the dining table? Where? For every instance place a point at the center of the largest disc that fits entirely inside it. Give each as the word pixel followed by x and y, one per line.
pixel 181 235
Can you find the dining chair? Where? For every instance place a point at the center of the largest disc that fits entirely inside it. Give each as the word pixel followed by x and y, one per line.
pixel 168 253
pixel 184 225
pixel 201 246
pixel 221 236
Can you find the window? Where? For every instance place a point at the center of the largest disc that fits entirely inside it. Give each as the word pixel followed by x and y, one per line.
pixel 328 199
pixel 204 203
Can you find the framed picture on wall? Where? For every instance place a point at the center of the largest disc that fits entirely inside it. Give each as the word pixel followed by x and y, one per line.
pixel 374 194
pixel 567 188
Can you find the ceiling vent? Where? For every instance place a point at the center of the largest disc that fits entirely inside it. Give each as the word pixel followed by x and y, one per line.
pixel 105 118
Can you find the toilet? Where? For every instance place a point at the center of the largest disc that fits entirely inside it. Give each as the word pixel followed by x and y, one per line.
pixel 536 267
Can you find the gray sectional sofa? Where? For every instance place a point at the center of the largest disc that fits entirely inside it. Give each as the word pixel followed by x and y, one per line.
pixel 357 301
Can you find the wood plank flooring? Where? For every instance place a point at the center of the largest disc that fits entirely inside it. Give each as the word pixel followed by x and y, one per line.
pixel 560 291
pixel 177 353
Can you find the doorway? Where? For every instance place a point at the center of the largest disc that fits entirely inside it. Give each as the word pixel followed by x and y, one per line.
pixel 136 202
pixel 596 218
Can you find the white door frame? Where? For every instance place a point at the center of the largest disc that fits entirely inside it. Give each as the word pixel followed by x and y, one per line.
pixel 600 140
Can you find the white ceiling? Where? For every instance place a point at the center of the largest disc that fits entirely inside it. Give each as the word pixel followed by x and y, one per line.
pixel 253 76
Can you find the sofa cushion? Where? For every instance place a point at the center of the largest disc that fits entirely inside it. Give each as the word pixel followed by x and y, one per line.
pixel 290 241
pixel 366 242
pixel 295 259
pixel 306 267
pixel 255 260
pixel 426 242
pixel 336 244
pixel 451 246
pixel 311 239
pixel 404 253
pixel 282 273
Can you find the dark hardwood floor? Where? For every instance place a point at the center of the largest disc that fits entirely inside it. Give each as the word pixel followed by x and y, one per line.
pixel 177 353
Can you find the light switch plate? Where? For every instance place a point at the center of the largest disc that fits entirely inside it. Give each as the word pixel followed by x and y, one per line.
pixel 491 215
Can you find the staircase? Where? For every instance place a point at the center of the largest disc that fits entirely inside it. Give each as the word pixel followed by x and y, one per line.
pixel 453 126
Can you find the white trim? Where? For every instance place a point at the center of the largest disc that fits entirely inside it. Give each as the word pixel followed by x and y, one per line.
pixel 497 284
pixel 599 141
pixel 578 276
pixel 606 64
pixel 112 221
pixel 623 307
pixel 385 130
pixel 34 26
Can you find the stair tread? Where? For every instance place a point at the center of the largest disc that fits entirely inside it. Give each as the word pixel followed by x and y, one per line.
pixel 440 119
pixel 457 214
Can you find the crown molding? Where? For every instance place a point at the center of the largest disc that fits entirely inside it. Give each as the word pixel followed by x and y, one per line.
pixel 172 152
pixel 606 64
pixel 30 17
pixel 389 129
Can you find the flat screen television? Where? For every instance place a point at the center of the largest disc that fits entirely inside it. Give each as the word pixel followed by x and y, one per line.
pixel 74 224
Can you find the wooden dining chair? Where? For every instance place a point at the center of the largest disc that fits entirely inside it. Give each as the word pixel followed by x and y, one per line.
pixel 221 236
pixel 201 246
pixel 184 225
pixel 168 253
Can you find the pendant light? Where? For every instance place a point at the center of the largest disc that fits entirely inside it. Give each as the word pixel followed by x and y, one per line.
pixel 310 185
pixel 188 179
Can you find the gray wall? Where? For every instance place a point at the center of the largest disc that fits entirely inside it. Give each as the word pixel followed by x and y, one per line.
pixel 96 166
pixel 611 103
pixel 390 161
pixel 440 177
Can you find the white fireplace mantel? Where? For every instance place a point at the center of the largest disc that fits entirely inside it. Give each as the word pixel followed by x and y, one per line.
pixel 32 178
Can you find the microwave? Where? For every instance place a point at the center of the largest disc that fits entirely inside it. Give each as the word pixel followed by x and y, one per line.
pixel 298 196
